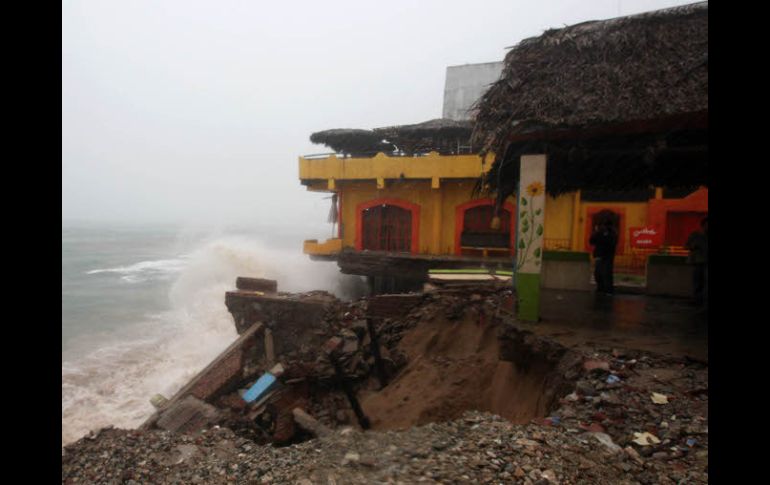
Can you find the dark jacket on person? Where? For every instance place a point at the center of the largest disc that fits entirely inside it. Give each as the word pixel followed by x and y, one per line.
pixel 604 242
pixel 698 244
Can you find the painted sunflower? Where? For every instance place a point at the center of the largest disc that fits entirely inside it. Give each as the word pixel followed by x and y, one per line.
pixel 535 188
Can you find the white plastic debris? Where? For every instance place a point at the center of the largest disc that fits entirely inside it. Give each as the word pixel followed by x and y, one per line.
pixel 645 439
pixel 606 440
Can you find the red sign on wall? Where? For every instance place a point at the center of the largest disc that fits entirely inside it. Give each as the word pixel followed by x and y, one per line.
pixel 645 237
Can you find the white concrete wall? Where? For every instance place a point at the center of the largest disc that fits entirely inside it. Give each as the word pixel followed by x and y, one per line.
pixel 465 85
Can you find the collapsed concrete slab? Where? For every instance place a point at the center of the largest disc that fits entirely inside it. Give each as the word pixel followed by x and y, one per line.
pixel 292 319
pixel 241 360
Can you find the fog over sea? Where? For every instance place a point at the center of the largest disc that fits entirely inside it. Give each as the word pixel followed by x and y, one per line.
pixel 143 309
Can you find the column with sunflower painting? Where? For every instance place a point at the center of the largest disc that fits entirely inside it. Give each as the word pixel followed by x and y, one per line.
pixel 529 245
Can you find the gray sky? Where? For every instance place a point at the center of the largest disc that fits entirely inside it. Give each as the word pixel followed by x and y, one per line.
pixel 195 112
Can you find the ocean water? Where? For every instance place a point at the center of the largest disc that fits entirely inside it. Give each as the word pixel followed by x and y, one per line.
pixel 143 309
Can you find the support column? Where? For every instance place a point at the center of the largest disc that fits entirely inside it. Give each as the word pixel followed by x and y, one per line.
pixel 574 245
pixel 436 196
pixel 531 207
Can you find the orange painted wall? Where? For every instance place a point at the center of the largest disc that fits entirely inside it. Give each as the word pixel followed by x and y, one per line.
pixel 439 237
pixel 435 237
pixel 698 201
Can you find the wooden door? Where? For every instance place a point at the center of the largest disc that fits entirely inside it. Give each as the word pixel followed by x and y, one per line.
pixel 387 228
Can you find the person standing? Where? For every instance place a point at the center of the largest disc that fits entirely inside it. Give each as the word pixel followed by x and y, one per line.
pixel 698 244
pixel 604 240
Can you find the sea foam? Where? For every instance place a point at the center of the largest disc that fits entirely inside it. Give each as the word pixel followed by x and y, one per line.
pixel 111 379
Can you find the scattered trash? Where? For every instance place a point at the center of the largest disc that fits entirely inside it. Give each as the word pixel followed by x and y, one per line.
pixel 263 384
pixel 552 421
pixel 603 404
pixel 605 439
pixel 645 439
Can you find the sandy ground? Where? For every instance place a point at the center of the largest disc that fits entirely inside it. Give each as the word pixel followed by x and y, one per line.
pixel 454 366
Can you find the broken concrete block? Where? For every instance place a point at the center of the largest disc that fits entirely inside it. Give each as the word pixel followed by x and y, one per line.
pixel 292 320
pixel 188 416
pixel 256 284
pixel 309 423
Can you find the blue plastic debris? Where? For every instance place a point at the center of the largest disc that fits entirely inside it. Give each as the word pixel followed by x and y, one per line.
pixel 260 387
pixel 691 442
pixel 613 379
pixel 555 420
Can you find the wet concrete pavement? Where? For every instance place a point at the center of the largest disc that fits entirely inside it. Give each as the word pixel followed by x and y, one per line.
pixel 663 325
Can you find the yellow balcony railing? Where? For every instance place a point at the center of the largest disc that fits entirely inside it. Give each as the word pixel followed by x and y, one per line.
pixel 381 166
pixel 327 248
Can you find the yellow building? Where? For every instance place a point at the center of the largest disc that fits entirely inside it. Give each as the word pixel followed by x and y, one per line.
pixel 424 206
pixel 407 198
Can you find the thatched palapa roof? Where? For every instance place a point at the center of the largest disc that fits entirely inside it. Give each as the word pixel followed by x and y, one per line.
pixel 625 69
pixel 440 135
pixel 645 75
pixel 351 141
pixel 438 128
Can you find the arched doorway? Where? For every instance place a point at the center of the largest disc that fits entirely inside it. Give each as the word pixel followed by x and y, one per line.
pixel 387 225
pixel 387 228
pixel 616 216
pixel 474 234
